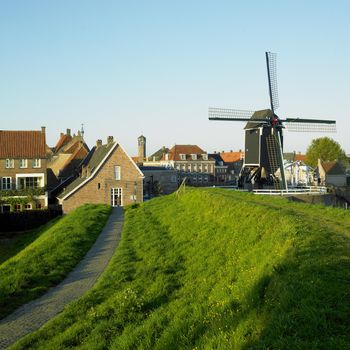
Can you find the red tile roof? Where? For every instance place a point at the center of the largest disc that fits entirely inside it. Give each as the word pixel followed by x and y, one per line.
pixel 22 144
pixel 175 151
pixel 333 168
pixel 63 140
pixel 231 157
pixel 301 157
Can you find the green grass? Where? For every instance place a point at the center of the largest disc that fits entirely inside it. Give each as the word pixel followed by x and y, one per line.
pixel 214 269
pixel 11 244
pixel 48 259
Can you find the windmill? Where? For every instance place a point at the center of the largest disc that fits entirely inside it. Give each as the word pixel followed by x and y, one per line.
pixel 263 161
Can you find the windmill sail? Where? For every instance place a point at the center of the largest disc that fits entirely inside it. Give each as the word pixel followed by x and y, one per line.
pixel 272 78
pixel 229 114
pixel 310 125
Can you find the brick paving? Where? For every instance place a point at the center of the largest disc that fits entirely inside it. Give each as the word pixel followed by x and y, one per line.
pixel 36 313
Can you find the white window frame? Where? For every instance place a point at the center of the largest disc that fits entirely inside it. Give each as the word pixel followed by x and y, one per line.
pixel 36 163
pixel 117 172
pixel 23 163
pixel 40 176
pixel 194 156
pixel 9 163
pixel 182 156
pixel 30 207
pixel 10 183
pixel 205 156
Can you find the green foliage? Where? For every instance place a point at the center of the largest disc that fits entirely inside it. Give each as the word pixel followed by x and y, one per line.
pixel 214 269
pixel 49 258
pixel 326 149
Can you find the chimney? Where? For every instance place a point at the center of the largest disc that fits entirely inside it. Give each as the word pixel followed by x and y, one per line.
pixel 61 134
pixel 98 143
pixel 110 139
pixel 68 132
pixel 43 128
pixel 231 150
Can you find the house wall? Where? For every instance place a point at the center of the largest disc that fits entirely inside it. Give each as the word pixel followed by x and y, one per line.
pixel 11 172
pixel 336 180
pixel 98 189
pixel 167 179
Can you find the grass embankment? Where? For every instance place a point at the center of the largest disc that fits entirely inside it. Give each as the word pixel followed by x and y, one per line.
pixel 47 260
pixel 214 269
pixel 12 243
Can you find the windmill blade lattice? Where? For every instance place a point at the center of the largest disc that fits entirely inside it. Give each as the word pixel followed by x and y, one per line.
pixel 271 59
pixel 310 125
pixel 229 114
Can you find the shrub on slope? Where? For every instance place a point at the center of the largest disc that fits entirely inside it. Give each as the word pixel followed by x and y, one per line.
pixel 214 269
pixel 49 258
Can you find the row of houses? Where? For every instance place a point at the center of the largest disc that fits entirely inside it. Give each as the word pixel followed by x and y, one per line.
pixel 35 176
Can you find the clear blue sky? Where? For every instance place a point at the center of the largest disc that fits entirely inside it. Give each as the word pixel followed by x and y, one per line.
pixel 129 67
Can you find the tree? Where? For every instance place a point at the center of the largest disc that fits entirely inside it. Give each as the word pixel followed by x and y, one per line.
pixel 326 149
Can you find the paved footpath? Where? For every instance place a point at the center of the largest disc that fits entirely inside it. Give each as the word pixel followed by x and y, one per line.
pixel 36 313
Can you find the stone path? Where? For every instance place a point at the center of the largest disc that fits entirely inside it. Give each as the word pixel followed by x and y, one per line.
pixel 36 313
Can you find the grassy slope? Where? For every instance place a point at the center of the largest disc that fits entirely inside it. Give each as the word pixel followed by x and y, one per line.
pixel 217 270
pixel 12 244
pixel 47 260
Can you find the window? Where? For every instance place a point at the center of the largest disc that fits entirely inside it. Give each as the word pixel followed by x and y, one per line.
pixel 6 183
pixel 117 175
pixel 5 208
pixel 36 163
pixel 38 206
pixel 173 178
pixel 206 168
pixel 9 163
pixel 98 186
pixel 17 207
pixel 23 163
pixel 29 182
pixel 28 206
pixel 194 156
pixel 182 156
pixel 194 167
pixel 205 156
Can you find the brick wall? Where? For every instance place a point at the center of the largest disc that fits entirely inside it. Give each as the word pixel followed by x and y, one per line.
pixel 11 172
pixel 98 189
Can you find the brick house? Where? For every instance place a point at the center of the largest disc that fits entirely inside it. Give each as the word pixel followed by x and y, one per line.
pixel 234 162
pixel 65 158
pixel 23 170
pixel 331 173
pixel 108 175
pixel 190 161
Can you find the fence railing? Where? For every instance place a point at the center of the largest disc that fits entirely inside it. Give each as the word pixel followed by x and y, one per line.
pixel 293 190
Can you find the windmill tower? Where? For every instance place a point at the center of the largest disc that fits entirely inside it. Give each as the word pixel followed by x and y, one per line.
pixel 263 161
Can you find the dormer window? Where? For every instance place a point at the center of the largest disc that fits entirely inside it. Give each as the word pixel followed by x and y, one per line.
pixel 205 156
pixel 182 156
pixel 194 156
pixel 23 163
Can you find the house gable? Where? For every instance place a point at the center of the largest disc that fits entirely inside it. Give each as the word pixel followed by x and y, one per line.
pixel 96 186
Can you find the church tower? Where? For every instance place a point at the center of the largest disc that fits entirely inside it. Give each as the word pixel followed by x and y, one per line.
pixel 142 148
